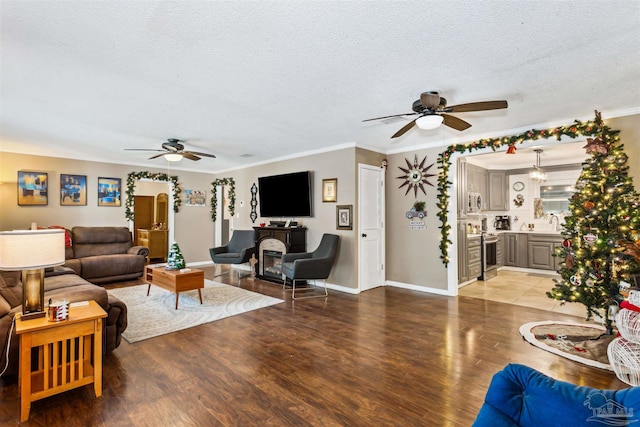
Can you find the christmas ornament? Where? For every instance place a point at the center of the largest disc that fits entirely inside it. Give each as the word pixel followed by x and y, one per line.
pixel 588 205
pixel 590 239
pixel 569 261
pixel 595 145
pixel 566 243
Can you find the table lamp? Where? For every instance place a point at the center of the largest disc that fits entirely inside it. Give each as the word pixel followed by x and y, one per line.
pixel 31 251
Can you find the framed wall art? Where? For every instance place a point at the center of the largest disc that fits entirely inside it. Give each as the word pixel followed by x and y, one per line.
pixel 33 188
pixel 109 191
pixel 330 190
pixel 73 190
pixel 343 217
pixel 195 197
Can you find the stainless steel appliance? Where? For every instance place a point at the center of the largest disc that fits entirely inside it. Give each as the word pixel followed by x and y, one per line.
pixel 474 205
pixel 502 222
pixel 489 256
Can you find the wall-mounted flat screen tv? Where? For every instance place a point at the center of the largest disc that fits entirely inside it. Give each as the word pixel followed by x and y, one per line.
pixel 287 195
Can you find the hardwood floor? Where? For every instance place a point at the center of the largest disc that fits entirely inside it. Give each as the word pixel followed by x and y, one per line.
pixel 386 357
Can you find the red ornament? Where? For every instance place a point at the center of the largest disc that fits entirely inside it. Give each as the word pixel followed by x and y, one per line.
pixel 566 243
pixel 511 149
pixel 588 205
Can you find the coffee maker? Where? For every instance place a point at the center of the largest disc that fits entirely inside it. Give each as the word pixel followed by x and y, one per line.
pixel 502 222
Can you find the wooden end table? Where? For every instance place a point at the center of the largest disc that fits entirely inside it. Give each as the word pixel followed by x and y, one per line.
pixel 175 280
pixel 69 354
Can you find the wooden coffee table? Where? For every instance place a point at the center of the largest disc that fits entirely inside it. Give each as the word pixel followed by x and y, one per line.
pixel 175 280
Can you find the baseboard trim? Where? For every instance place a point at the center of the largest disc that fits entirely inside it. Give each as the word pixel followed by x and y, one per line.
pixel 424 289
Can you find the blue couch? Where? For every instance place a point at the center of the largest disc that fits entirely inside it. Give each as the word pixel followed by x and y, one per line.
pixel 521 396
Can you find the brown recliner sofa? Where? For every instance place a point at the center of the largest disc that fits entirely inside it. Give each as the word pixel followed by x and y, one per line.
pixel 105 254
pixel 59 283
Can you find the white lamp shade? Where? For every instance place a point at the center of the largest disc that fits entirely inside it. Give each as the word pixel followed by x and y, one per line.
pixel 173 157
pixel 30 249
pixel 429 122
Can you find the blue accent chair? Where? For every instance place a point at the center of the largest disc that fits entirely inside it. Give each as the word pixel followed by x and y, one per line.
pixel 519 396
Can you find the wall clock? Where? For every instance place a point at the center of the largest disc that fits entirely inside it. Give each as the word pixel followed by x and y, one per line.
pixel 415 176
pixel 518 186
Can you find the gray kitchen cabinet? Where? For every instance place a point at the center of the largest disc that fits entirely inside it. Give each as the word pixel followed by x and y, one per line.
pixel 474 258
pixel 516 250
pixel 477 183
pixel 463 264
pixel 497 183
pixel 541 248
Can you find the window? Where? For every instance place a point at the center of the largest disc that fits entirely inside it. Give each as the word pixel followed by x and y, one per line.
pixel 555 198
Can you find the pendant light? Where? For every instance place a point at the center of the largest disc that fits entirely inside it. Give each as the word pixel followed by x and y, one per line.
pixel 537 174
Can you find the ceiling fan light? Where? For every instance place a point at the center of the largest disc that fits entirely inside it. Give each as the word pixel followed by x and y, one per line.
pixel 172 157
pixel 428 122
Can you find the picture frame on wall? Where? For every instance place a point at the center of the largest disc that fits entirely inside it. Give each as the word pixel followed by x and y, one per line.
pixel 33 188
pixel 330 190
pixel 344 219
pixel 73 190
pixel 109 191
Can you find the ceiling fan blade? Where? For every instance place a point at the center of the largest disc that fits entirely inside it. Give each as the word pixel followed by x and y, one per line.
pixel 477 106
pixel 454 122
pixel 388 117
pixel 189 156
pixel 200 154
pixel 142 149
pixel 158 155
pixel 405 128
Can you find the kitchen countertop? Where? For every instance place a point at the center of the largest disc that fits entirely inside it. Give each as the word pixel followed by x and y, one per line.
pixel 555 233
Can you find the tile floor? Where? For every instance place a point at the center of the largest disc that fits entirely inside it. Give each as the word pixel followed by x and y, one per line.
pixel 526 289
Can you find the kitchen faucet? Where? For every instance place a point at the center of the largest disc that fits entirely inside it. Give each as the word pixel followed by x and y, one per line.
pixel 554 227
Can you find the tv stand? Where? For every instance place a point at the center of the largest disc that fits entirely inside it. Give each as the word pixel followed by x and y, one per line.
pixel 276 241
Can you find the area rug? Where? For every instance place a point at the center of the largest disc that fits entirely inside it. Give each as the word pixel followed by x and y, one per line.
pixel 154 315
pixel 573 341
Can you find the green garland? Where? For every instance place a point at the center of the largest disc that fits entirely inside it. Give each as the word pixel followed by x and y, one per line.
pixel 131 183
pixel 232 196
pixel 574 130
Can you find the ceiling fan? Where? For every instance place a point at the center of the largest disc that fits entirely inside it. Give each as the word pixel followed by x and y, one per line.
pixel 174 151
pixel 432 110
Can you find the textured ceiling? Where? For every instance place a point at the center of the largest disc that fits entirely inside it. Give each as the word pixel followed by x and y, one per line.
pixel 88 79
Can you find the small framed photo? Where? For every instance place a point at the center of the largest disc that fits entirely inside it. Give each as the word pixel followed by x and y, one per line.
pixel 343 217
pixel 33 188
pixel 330 190
pixel 109 191
pixel 73 190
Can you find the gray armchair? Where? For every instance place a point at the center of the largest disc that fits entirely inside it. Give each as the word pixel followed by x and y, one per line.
pixel 310 265
pixel 238 251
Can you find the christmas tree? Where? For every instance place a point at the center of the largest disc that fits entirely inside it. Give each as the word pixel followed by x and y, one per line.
pixel 175 260
pixel 605 216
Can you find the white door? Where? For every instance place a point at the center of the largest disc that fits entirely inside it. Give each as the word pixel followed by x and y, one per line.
pixel 370 227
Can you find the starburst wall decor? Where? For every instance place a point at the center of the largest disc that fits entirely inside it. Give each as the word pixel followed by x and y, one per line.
pixel 415 176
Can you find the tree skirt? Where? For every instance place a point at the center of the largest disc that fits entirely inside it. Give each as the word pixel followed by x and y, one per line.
pixel 573 341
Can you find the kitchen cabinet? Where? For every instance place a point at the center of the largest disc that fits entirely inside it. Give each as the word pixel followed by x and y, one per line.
pixel 497 183
pixel 474 257
pixel 541 248
pixel 516 250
